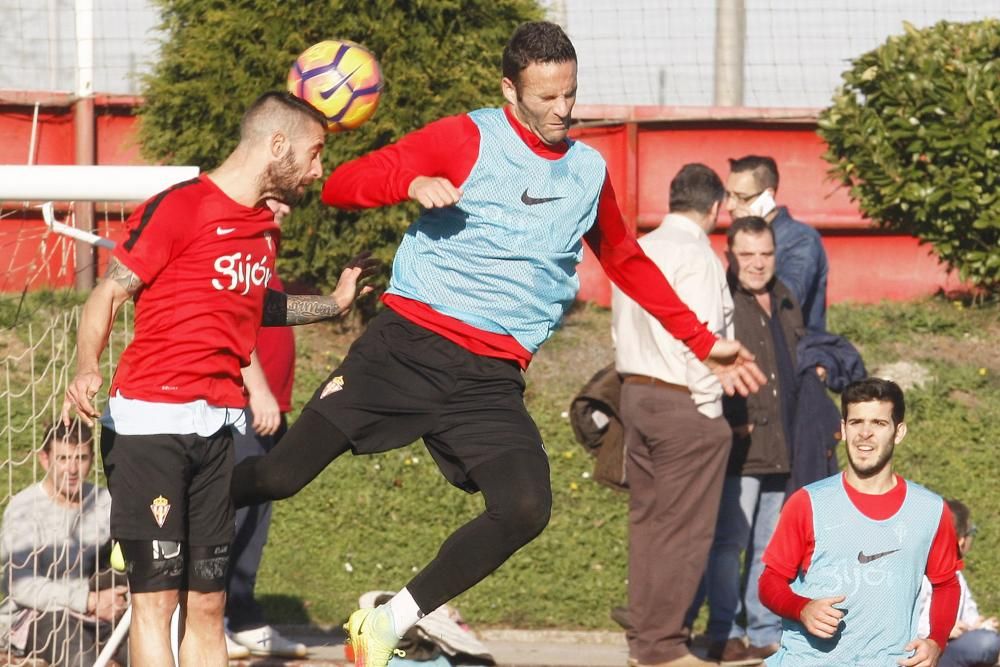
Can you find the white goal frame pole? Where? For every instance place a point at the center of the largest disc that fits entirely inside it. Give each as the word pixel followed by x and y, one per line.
pixel 88 183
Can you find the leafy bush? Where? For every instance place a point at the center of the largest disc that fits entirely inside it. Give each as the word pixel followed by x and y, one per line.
pixel 914 132
pixel 438 57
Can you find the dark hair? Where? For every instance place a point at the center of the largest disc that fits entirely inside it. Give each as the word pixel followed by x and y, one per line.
pixel 765 170
pixel 274 102
pixel 874 389
pixel 77 433
pixel 960 515
pixel 750 224
pixel 536 42
pixel 696 188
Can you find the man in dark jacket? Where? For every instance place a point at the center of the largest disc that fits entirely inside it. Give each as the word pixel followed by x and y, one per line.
pixel 768 319
pixel 801 262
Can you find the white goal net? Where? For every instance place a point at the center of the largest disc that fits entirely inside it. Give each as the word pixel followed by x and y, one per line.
pixel 39 315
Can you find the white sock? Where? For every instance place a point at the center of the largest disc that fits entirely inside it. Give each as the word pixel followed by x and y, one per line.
pixel 404 610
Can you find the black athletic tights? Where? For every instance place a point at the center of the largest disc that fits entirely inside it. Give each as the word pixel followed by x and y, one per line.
pixel 515 487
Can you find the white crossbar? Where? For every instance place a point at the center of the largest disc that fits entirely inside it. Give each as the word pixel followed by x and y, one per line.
pixel 82 183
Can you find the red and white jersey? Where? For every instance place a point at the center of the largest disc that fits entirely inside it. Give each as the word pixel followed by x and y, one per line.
pixel 205 261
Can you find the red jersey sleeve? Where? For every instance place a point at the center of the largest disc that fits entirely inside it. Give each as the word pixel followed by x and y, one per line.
pixel 945 600
pixel 943 561
pixel 447 148
pixel 619 253
pixel 156 232
pixel 788 553
pixel 793 542
pixel 944 558
pixel 777 595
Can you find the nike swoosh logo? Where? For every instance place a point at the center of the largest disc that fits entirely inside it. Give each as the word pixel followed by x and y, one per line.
pixel 862 558
pixel 325 94
pixel 532 201
pixel 222 231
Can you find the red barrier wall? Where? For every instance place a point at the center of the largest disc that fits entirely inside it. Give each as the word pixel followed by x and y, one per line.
pixel 644 147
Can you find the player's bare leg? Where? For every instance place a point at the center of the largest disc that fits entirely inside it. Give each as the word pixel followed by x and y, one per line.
pixel 149 632
pixel 203 643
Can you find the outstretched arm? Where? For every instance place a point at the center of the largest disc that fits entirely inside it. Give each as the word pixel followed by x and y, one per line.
pixel 118 285
pixel 282 309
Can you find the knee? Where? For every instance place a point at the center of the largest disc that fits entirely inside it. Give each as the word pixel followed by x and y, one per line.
pixel 728 542
pixel 205 607
pixel 275 482
pixel 525 515
pixel 979 646
pixel 154 606
pixel 255 480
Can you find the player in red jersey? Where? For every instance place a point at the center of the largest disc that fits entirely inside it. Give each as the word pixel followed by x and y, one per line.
pixel 197 261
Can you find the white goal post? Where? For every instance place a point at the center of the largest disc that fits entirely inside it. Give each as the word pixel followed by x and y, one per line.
pixel 74 183
pixel 19 183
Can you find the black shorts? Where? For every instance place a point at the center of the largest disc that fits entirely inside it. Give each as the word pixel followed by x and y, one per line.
pixel 401 382
pixel 170 487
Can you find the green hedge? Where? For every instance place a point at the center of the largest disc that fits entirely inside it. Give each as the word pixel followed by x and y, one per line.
pixel 438 57
pixel 914 132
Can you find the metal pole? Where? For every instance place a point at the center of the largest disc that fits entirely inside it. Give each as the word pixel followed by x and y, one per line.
pixel 730 37
pixel 84 128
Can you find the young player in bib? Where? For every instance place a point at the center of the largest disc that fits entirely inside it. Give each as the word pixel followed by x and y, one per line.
pixel 846 562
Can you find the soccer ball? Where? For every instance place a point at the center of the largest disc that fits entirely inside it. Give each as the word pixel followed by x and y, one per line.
pixel 341 79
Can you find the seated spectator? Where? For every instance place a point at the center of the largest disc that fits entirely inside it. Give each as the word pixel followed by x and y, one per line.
pixel 53 537
pixel 974 640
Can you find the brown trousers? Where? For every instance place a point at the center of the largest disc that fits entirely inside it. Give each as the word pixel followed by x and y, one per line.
pixel 676 465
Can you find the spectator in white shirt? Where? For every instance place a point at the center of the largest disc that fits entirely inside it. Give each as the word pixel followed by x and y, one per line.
pixel 676 440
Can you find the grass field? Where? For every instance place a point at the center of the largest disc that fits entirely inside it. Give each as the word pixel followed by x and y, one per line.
pixel 370 522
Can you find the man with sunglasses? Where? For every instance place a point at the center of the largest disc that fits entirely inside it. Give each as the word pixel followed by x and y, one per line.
pixel 801 260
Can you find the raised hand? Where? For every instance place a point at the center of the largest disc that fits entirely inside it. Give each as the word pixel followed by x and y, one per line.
pixel 349 287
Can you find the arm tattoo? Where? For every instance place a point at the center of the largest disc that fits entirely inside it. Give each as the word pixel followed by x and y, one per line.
pixel 124 276
pixel 307 309
pixel 282 309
